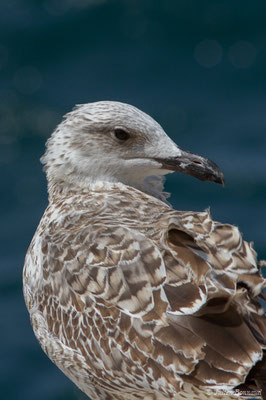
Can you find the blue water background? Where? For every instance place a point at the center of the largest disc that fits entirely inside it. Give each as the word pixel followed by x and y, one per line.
pixel 198 67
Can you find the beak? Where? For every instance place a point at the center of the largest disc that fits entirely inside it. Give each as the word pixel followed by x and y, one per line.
pixel 194 165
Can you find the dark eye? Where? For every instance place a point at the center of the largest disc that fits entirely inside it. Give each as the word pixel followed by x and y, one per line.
pixel 121 134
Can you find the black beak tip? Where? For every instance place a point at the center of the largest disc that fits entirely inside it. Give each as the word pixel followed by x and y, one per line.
pixel 220 180
pixel 216 173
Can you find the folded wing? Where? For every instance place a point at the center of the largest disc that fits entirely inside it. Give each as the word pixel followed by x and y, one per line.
pixel 155 312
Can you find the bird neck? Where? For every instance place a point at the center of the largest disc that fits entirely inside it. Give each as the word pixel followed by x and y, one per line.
pixel 152 185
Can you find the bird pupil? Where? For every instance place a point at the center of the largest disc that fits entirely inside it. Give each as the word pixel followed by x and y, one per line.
pixel 121 134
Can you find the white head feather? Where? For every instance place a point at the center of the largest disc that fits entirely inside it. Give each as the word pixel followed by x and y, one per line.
pixel 84 149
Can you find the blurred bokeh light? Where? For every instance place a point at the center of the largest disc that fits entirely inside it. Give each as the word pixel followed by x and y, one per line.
pixel 208 53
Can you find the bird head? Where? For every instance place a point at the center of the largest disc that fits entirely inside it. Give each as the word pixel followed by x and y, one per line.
pixel 109 141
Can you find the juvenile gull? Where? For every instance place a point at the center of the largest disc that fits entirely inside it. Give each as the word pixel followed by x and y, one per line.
pixel 128 297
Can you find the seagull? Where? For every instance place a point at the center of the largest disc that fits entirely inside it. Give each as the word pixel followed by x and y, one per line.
pixel 130 298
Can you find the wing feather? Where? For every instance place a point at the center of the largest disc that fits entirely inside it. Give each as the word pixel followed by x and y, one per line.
pixel 155 308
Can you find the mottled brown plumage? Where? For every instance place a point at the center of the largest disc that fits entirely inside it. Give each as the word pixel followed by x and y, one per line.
pixel 134 300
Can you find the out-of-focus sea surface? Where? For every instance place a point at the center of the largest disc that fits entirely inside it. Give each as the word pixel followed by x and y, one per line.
pixel 198 67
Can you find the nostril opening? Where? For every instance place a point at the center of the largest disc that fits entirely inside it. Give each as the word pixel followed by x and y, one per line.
pixel 197 162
